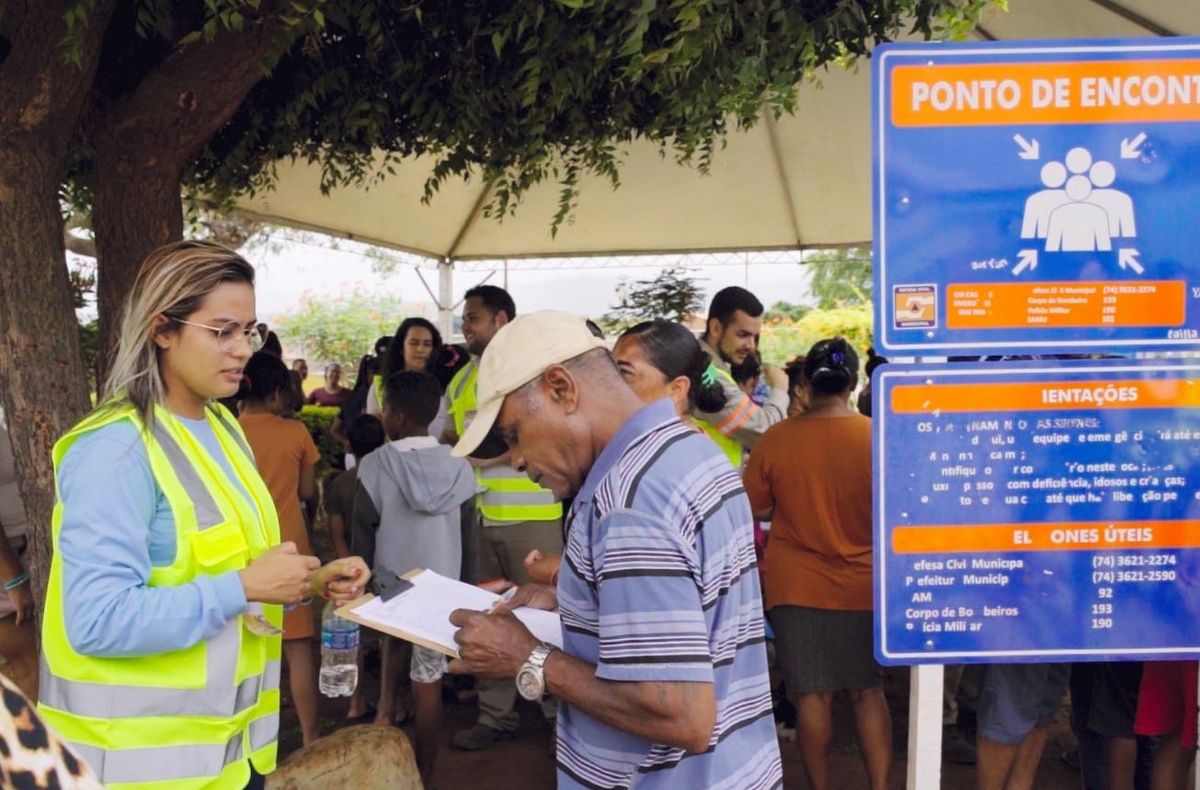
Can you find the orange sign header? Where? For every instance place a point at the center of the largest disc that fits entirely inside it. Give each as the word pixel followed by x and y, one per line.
pixel 1046 93
pixel 1045 396
pixel 988 538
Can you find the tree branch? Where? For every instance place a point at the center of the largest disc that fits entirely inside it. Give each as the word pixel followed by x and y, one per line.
pixel 77 245
pixel 42 90
pixel 191 94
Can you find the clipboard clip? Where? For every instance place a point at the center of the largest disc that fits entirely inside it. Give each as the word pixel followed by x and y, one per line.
pixel 389 584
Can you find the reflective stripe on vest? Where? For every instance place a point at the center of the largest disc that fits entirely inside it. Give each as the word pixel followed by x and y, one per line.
pixel 189 718
pixel 508 495
pixel 100 700
pixel 174 764
pixel 730 446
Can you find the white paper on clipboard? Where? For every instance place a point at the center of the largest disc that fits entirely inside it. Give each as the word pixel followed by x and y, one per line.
pixel 422 614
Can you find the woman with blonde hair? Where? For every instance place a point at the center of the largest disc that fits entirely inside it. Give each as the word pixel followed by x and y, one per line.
pixel 161 634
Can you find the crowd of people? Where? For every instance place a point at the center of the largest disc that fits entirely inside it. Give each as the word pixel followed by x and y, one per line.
pixel 700 520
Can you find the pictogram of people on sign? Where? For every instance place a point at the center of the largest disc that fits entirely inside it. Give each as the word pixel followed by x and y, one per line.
pixel 1078 211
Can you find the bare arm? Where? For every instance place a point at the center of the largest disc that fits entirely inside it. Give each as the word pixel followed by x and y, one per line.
pixel 675 713
pixel 11 568
pixel 338 536
pixel 308 484
pixel 338 432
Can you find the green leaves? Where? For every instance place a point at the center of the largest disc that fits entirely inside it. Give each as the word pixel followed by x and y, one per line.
pixel 840 278
pixel 674 294
pixel 527 91
pixel 340 329
pixel 77 18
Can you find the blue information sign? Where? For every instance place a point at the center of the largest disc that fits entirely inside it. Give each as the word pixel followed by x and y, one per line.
pixel 1037 511
pixel 1035 195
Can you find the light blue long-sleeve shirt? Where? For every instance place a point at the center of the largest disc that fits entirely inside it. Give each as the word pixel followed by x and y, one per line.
pixel 116 526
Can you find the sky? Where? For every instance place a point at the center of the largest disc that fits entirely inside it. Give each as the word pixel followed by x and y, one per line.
pixel 289 265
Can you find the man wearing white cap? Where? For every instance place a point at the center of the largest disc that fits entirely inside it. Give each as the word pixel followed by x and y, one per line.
pixel 516 515
pixel 662 679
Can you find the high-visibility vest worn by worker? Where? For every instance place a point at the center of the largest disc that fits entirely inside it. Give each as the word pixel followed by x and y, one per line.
pixel 191 718
pixel 730 446
pixel 508 495
pixel 377 389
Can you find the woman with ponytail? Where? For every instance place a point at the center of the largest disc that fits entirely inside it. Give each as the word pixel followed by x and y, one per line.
pixel 662 359
pixel 160 639
pixel 810 476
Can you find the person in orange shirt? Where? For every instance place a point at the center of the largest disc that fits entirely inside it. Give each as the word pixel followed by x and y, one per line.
pixel 286 457
pixel 810 476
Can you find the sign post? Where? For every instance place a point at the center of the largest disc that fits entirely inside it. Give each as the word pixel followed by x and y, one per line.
pixel 1035 199
pixel 1046 513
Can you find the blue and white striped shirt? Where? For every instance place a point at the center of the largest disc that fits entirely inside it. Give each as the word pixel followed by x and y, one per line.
pixel 658 583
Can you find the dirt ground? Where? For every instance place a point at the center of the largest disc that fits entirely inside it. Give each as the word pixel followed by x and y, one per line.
pixel 526 763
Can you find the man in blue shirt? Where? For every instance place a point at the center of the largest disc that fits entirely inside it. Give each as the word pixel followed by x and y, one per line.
pixel 662 679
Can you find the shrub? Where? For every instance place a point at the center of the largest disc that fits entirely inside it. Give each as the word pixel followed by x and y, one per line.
pixel 319 422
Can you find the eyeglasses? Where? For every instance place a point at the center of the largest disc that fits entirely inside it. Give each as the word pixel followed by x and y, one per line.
pixel 228 334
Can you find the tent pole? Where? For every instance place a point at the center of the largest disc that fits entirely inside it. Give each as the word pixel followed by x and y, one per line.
pixel 445 297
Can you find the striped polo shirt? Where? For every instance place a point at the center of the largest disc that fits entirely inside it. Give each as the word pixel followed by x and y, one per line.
pixel 659 583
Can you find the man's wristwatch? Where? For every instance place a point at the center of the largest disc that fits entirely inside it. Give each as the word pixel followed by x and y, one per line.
pixel 531 679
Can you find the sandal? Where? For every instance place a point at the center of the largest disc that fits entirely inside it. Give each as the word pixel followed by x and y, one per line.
pixel 404 719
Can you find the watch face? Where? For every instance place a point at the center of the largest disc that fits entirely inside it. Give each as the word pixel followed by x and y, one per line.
pixel 529 683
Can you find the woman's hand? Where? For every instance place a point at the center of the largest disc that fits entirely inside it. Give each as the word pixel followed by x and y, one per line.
pixel 342 580
pixel 280 575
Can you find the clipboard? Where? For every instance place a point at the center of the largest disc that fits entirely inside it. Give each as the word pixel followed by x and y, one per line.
pixel 416 607
pixel 348 612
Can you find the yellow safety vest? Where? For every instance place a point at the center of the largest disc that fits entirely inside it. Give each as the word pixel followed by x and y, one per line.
pixel 508 495
pixel 191 718
pixel 730 446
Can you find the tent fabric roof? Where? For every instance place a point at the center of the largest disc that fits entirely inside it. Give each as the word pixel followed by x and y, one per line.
pixel 801 181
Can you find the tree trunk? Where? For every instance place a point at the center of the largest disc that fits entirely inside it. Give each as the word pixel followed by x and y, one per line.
pixel 136 209
pixel 44 387
pixel 145 141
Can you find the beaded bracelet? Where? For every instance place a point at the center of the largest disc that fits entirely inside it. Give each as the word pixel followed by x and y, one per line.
pixel 16 581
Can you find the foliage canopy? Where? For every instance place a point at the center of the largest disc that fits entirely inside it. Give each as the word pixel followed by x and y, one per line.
pixel 517 93
pixel 673 295
pixel 840 278
pixel 341 329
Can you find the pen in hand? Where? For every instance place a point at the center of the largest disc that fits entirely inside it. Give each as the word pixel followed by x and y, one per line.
pixel 509 594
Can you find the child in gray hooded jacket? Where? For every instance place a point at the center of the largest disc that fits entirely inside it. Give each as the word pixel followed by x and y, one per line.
pixel 406 515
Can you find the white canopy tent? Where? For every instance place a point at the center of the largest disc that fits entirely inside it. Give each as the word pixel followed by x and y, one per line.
pixel 800 182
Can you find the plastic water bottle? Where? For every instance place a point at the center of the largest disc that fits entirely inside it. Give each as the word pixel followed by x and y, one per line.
pixel 339 654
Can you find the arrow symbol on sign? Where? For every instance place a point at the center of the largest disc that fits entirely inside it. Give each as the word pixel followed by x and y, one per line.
pixel 1127 259
pixel 1027 259
pixel 1132 149
pixel 1028 150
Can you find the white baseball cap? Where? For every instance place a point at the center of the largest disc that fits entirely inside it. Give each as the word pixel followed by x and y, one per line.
pixel 518 354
